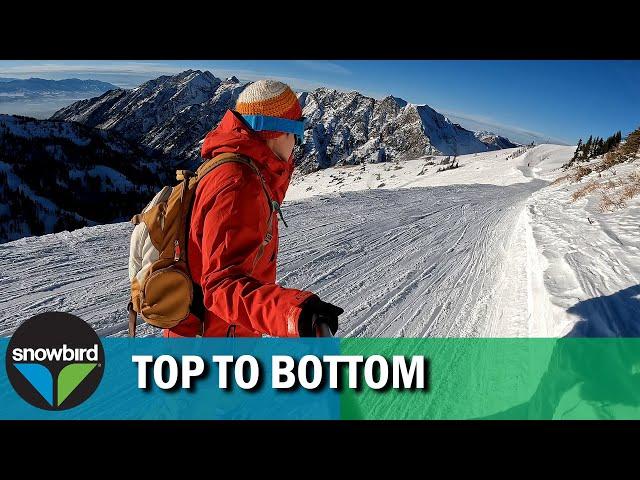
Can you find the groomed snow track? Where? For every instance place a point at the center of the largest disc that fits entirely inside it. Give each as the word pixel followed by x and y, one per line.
pixel 410 262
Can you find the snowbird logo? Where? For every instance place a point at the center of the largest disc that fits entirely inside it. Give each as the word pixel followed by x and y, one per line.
pixel 55 361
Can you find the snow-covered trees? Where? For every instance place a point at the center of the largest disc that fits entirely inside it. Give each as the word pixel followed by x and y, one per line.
pixel 57 175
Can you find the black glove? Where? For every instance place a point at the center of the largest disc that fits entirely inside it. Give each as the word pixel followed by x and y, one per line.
pixel 316 311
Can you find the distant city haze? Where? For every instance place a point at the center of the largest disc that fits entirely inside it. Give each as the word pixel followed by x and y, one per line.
pixel 41 108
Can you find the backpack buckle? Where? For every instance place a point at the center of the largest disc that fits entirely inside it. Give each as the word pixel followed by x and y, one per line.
pixel 184 174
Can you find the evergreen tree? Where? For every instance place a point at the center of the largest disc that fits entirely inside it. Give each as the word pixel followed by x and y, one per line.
pixel 577 153
pixel 586 151
pixel 600 147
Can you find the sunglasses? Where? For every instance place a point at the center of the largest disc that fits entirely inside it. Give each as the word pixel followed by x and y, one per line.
pixel 300 138
pixel 263 122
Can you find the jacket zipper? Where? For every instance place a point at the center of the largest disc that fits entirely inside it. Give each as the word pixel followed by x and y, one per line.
pixel 176 251
pixel 276 207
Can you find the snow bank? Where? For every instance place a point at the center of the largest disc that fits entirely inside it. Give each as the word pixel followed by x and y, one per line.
pixel 591 259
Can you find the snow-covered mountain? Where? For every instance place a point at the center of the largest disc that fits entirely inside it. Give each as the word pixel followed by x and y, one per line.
pixel 350 128
pixel 57 175
pixel 170 113
pixel 494 139
pixel 174 113
pixel 97 151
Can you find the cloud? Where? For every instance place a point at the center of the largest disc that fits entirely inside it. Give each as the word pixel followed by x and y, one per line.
pixel 324 66
pixel 124 74
pixel 127 68
pixel 132 74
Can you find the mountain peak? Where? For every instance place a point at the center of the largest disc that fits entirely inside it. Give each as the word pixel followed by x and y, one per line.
pixel 325 90
pixel 198 75
pixel 485 133
pixel 188 72
pixel 174 113
pixel 400 102
pixel 493 140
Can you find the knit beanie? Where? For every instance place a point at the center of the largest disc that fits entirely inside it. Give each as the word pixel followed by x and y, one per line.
pixel 272 99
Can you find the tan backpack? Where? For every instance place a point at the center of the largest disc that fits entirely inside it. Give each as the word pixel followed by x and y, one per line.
pixel 162 290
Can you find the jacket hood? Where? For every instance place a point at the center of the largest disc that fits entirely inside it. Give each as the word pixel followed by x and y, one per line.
pixel 233 135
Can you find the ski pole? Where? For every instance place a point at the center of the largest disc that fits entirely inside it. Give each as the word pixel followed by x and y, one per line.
pixel 323 330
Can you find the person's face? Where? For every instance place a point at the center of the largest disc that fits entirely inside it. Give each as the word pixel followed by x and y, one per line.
pixel 290 143
pixel 283 146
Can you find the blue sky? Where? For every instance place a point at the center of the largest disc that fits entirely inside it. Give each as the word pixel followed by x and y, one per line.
pixel 553 100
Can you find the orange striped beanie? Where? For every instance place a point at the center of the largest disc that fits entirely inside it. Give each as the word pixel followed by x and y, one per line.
pixel 270 98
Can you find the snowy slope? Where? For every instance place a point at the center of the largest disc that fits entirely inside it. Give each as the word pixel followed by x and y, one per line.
pixel 505 255
pixel 401 262
pixel 493 168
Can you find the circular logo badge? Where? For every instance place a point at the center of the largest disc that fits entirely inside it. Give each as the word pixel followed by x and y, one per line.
pixel 55 361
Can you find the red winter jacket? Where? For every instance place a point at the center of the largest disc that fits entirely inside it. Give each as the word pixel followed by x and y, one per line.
pixel 228 224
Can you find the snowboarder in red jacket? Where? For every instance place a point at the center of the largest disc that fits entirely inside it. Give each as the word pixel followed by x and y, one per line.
pixel 229 221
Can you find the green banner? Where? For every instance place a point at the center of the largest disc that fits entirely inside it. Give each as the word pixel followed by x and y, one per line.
pixel 569 378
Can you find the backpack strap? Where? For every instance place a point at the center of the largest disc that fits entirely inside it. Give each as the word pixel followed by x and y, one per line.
pixel 204 169
pixel 223 158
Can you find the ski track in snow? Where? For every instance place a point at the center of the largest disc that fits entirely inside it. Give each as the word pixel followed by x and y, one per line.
pixel 472 259
pixel 81 272
pixel 410 262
